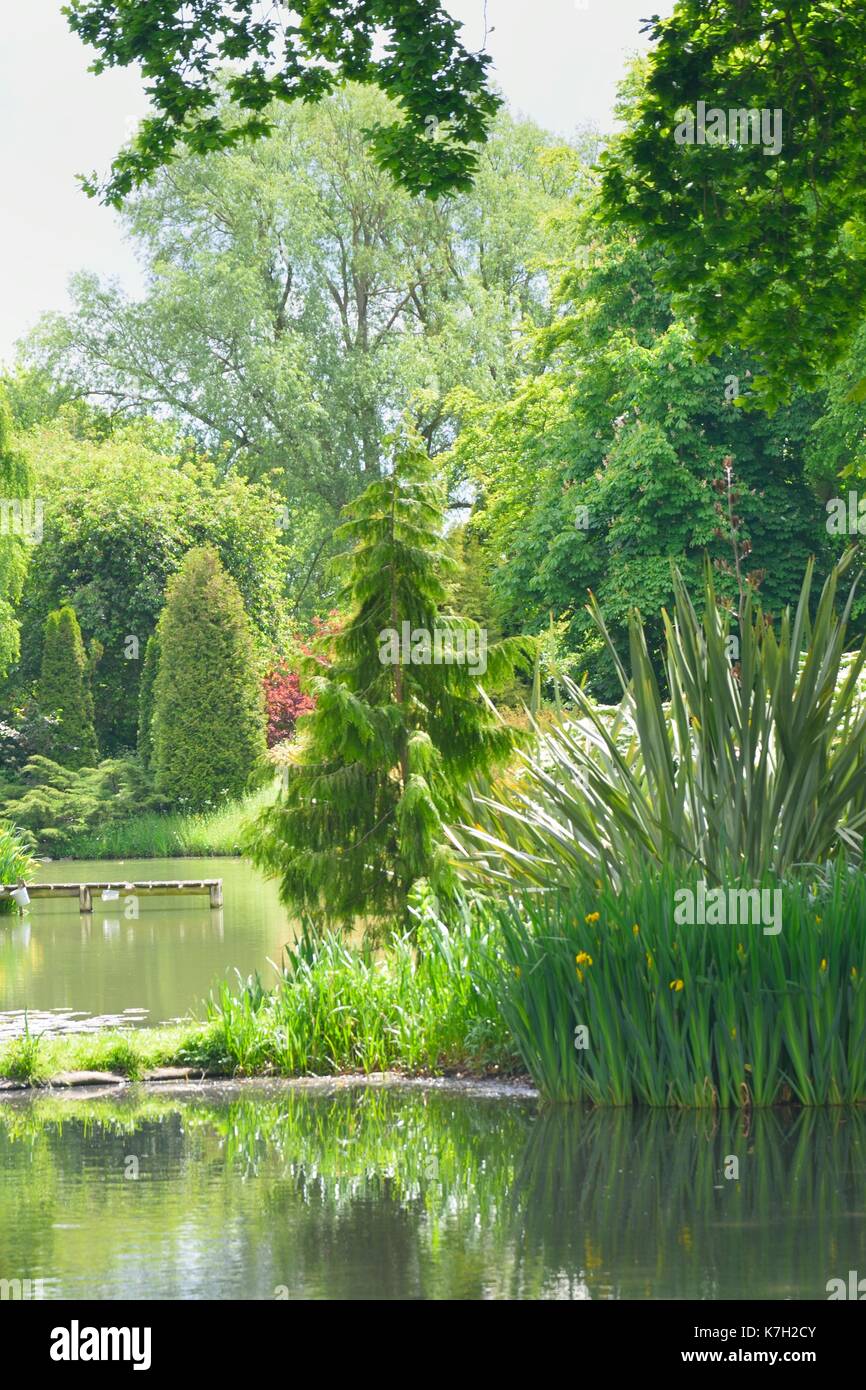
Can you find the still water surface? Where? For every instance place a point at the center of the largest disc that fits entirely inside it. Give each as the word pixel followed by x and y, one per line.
pixel 259 1192
pixel 164 960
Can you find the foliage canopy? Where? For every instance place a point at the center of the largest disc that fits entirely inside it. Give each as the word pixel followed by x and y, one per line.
pixel 297 52
pixel 766 250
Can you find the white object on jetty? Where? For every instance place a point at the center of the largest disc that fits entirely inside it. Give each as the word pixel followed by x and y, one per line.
pixel 21 897
pixel 152 888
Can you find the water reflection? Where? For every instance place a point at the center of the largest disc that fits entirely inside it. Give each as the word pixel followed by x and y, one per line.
pixel 265 1192
pixel 162 955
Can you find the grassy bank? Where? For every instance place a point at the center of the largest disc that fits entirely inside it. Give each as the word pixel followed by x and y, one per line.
pixel 337 1008
pixel 175 836
pixel 130 1053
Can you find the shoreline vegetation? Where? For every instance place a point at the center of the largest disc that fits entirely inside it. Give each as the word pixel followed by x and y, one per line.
pixel 614 1002
pixel 174 835
pixel 664 907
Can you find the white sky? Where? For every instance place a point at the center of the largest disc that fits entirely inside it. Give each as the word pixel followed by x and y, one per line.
pixel 557 61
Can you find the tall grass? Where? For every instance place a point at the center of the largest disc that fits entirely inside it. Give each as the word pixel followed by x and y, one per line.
pixel 426 1002
pixel 700 1015
pixel 156 836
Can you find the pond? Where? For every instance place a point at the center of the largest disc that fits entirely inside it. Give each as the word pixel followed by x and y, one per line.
pixel 160 955
pixel 273 1191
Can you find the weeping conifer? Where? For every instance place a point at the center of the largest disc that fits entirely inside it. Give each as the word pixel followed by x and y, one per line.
pixel 379 765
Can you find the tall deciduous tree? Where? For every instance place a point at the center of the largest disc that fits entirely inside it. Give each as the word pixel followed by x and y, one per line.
pixel 297 302
pixel 396 734
pixel 763 237
pixel 208 718
pixel 120 514
pixel 601 469
pixel 296 52
pixel 64 691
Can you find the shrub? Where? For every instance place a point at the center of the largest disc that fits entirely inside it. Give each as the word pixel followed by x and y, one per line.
pixel 750 767
pixel 208 720
pixel 64 690
pixel 57 804
pixel 285 702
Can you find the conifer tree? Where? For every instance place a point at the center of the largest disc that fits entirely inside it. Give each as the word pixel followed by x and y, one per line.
pixel 379 765
pixel 64 690
pixel 208 722
pixel 146 700
pixel 16 486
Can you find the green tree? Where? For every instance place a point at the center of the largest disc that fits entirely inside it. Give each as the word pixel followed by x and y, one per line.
pixel 146 697
pixel 16 486
pixel 120 514
pixel 297 52
pixel 208 719
pixel 605 464
pixel 764 249
pixel 381 762
pixel 298 302
pixel 64 690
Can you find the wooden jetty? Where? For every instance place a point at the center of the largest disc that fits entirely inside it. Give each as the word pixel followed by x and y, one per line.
pixel 147 889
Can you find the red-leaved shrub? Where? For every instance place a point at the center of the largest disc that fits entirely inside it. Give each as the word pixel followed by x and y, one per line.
pixel 285 702
pixel 284 698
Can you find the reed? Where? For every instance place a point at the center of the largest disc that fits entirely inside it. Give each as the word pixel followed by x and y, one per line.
pixel 426 1002
pixel 16 864
pixel 171 836
pixel 689 1015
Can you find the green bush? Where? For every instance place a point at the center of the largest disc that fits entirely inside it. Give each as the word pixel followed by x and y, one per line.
pixel 16 865
pixel 59 805
pixel 750 766
pixel 64 690
pixel 209 718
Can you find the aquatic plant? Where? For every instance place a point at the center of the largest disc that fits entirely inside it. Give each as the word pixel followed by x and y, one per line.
pixel 424 1002
pixel 610 999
